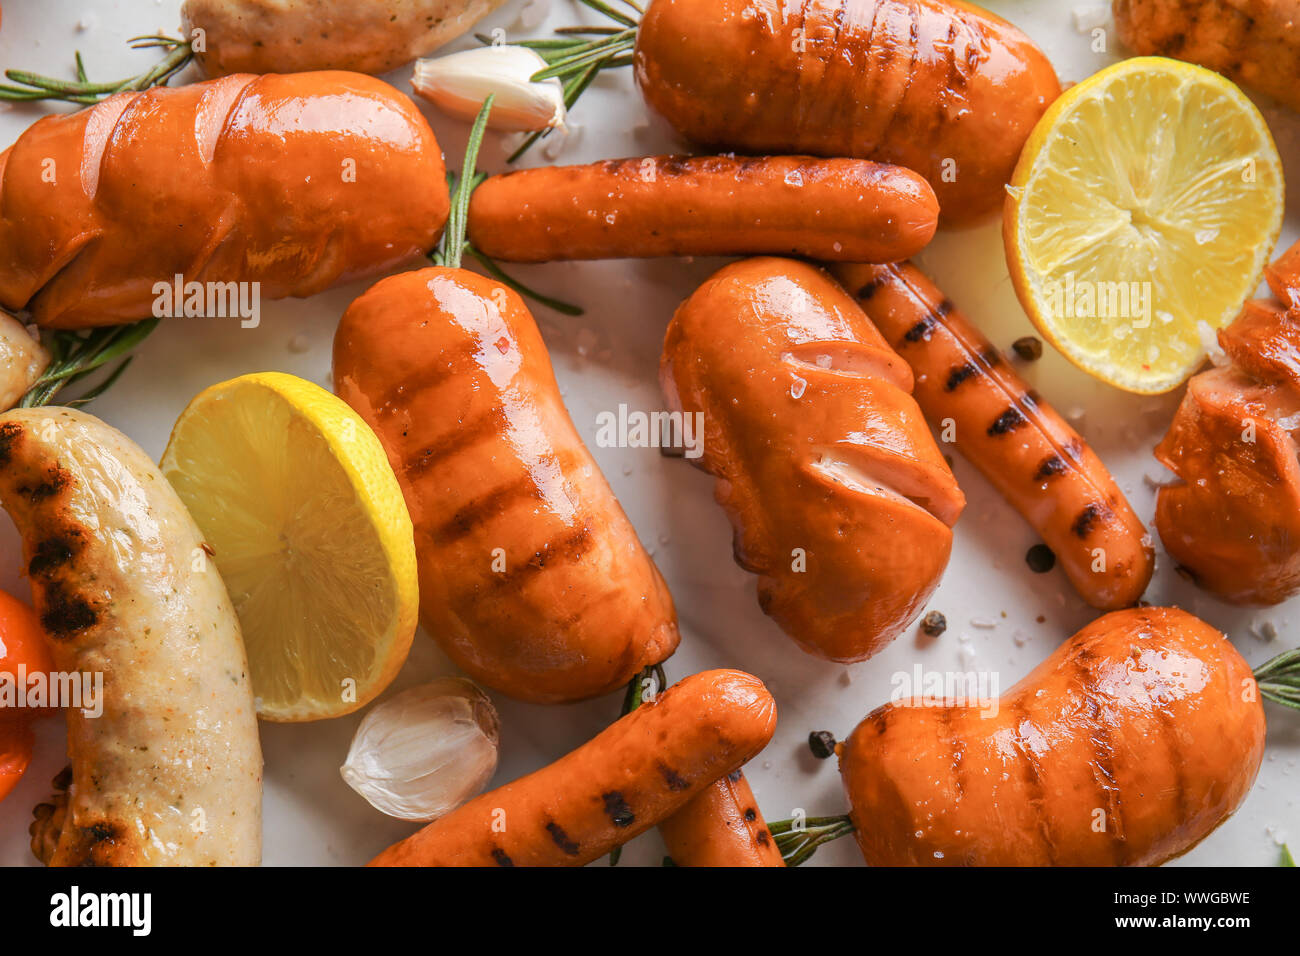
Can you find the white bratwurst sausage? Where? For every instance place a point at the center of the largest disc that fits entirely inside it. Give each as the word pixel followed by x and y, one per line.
pixel 296 36
pixel 170 773
pixel 22 360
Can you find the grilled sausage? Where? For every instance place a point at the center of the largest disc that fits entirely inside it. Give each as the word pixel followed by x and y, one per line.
pixel 295 36
pixel 704 206
pixel 721 827
pixel 170 773
pixel 1018 442
pixel 840 501
pixel 630 776
pixel 1127 746
pixel 531 577
pixel 294 182
pixel 1232 519
pixel 1256 42
pixel 944 88
pixel 22 360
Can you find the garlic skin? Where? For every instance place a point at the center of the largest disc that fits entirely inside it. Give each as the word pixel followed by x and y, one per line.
pixel 458 84
pixel 424 752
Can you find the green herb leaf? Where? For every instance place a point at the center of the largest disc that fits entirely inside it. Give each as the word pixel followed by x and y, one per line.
pixel 35 86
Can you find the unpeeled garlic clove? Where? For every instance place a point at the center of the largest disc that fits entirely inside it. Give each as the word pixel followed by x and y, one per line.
pixel 458 84
pixel 421 754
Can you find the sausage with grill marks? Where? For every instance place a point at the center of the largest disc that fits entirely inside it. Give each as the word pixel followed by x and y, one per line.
pixel 840 501
pixel 833 209
pixel 532 579
pixel 938 86
pixel 1039 464
pixel 1126 747
pixel 1256 42
pixel 630 776
pixel 22 360
pixel 721 827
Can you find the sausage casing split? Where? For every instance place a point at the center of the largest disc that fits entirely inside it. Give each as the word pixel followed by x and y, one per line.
pixel 170 773
pixel 831 209
pixel 1255 42
pixel 1127 746
pixel 22 360
pixel 721 827
pixel 295 36
pixel 1038 463
pixel 295 182
pixel 944 88
pixel 630 776
pixel 840 501
pixel 1232 518
pixel 532 578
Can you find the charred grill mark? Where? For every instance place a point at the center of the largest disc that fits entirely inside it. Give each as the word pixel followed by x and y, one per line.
pixel 571 549
pixel 1087 519
pixel 1050 467
pixel 762 837
pixel 735 775
pixel 10 434
pixel 501 857
pixel 1008 422
pixel 871 287
pixel 675 783
pixel 958 374
pixel 616 808
pixel 1103 753
pixel 478 511
pixel 1033 778
pixel 561 839
pixel 56 480
pixel 921 330
pixel 991 357
pixel 944 309
pixel 750 814
pixel 54 552
pixel 487 424
pixel 65 612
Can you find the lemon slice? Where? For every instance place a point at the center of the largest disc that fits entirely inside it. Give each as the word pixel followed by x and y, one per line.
pixel 1140 217
pixel 307 525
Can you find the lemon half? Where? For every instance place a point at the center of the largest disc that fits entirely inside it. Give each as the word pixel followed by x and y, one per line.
pixel 1140 217
pixel 294 495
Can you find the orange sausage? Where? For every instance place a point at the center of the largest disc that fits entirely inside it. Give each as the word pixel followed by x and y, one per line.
pixel 630 776
pixel 1232 519
pixel 295 182
pixel 829 209
pixel 1041 465
pixel 944 88
pixel 531 577
pixel 1256 42
pixel 721 827
pixel 840 500
pixel 1127 746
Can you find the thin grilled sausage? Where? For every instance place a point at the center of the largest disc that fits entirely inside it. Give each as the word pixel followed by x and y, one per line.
pixel 295 36
pixel 1038 463
pixel 170 773
pixel 1232 519
pixel 294 182
pixel 22 360
pixel 531 577
pixel 840 501
pixel 1256 42
pixel 944 88
pixel 630 776
pixel 721 827
pixel 1126 747
pixel 704 206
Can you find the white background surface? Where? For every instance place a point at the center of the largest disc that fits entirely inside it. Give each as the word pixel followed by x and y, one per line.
pixel 609 356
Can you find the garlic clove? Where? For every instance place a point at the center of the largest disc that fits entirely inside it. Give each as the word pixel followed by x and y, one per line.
pixel 424 752
pixel 458 84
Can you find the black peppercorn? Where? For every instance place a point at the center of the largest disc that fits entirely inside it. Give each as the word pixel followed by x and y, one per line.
pixel 934 624
pixel 1028 348
pixel 822 744
pixel 1040 559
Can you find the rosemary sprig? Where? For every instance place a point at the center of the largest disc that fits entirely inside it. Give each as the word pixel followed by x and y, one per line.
pixel 798 843
pixel 454 246
pixel 1279 679
pixel 35 86
pixel 1287 859
pixel 75 355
